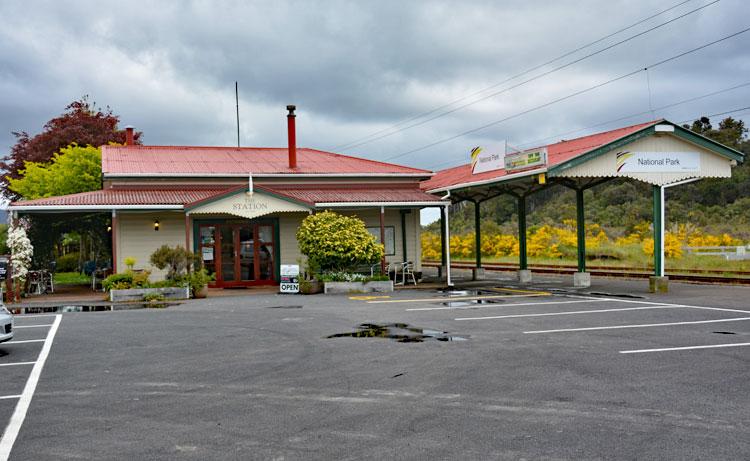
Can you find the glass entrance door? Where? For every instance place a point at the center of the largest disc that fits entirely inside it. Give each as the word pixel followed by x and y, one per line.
pixel 238 254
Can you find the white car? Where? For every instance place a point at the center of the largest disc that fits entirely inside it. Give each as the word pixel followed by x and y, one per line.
pixel 6 325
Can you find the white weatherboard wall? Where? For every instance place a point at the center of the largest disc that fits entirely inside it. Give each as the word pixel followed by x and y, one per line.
pixel 289 250
pixel 371 217
pixel 712 165
pixel 136 238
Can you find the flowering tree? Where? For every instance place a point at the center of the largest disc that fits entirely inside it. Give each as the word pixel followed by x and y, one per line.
pixel 21 252
pixel 333 242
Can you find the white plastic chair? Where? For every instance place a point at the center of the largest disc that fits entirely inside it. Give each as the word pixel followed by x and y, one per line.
pixel 407 270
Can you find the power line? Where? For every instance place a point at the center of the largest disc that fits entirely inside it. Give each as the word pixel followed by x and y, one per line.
pixel 431 111
pixel 572 95
pixel 505 90
pixel 668 106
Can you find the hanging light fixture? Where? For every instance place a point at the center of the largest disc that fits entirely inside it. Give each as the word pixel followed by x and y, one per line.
pixel 156 225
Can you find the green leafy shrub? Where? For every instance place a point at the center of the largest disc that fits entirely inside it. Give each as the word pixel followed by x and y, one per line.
pixel 67 263
pixel 333 242
pixel 177 260
pixel 198 280
pixel 126 280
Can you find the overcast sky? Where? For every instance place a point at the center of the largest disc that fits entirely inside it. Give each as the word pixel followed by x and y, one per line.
pixel 357 68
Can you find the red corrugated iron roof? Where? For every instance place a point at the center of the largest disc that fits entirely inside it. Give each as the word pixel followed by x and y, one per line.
pixel 556 153
pixel 357 193
pixel 212 161
pixel 311 194
pixel 114 197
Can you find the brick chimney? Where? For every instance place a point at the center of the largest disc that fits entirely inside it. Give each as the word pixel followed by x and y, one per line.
pixel 129 138
pixel 292 131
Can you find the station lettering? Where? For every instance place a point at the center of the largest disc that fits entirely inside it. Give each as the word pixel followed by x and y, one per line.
pixel 250 206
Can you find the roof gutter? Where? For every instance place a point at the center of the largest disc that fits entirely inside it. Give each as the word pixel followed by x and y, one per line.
pixel 268 175
pixel 383 204
pixel 92 207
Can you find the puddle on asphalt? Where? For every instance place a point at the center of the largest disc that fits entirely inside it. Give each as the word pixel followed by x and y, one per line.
pixel 470 302
pixel 616 295
pixel 283 307
pixel 84 308
pixel 454 293
pixel 399 332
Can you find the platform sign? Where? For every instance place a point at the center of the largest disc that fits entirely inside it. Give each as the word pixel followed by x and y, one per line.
pixel 289 278
pixel 487 158
pixel 4 267
pixel 658 162
pixel 526 159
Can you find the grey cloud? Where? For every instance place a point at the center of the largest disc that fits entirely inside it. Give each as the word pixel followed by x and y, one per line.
pixel 352 67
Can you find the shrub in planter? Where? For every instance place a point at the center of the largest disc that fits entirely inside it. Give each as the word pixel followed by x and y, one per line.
pixel 333 242
pixel 310 287
pixel 126 280
pixel 176 260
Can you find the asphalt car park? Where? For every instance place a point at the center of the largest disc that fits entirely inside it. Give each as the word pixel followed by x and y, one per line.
pixel 500 372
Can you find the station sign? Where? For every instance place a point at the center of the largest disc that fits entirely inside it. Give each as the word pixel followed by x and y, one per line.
pixel 526 159
pixel 289 282
pixel 487 158
pixel 658 162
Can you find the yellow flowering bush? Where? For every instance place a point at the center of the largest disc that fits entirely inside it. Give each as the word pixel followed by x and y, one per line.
pixel 430 246
pixel 333 242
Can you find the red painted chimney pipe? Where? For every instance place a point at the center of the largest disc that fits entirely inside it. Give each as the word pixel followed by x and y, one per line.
pixel 129 139
pixel 292 131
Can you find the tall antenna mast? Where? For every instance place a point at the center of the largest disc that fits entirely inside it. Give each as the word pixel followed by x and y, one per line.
pixel 237 102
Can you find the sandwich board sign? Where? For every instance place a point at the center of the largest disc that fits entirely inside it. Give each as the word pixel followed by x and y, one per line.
pixel 289 282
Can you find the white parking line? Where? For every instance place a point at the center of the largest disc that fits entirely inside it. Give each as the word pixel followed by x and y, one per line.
pixel 723 309
pixel 6 397
pixel 33 326
pixel 19 414
pixel 685 348
pixel 28 316
pixel 504 305
pixel 16 363
pixel 596 311
pixel 25 341
pixel 644 325
pixel 455 298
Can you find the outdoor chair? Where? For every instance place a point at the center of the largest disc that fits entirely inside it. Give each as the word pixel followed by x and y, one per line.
pixel 407 271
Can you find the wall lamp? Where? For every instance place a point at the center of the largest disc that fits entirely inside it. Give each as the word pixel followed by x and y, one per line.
pixel 156 225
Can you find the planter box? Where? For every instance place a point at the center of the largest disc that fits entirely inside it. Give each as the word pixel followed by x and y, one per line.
pixel 358 287
pixel 136 294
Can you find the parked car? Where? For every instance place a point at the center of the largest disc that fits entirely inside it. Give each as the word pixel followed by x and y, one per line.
pixel 6 325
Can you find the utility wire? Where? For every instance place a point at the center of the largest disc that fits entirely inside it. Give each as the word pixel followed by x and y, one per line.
pixel 463 98
pixel 505 90
pixel 572 95
pixel 668 106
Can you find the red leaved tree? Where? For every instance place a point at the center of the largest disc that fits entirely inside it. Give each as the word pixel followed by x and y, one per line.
pixel 81 123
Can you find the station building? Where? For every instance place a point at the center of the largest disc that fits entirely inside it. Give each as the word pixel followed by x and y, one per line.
pixel 239 208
